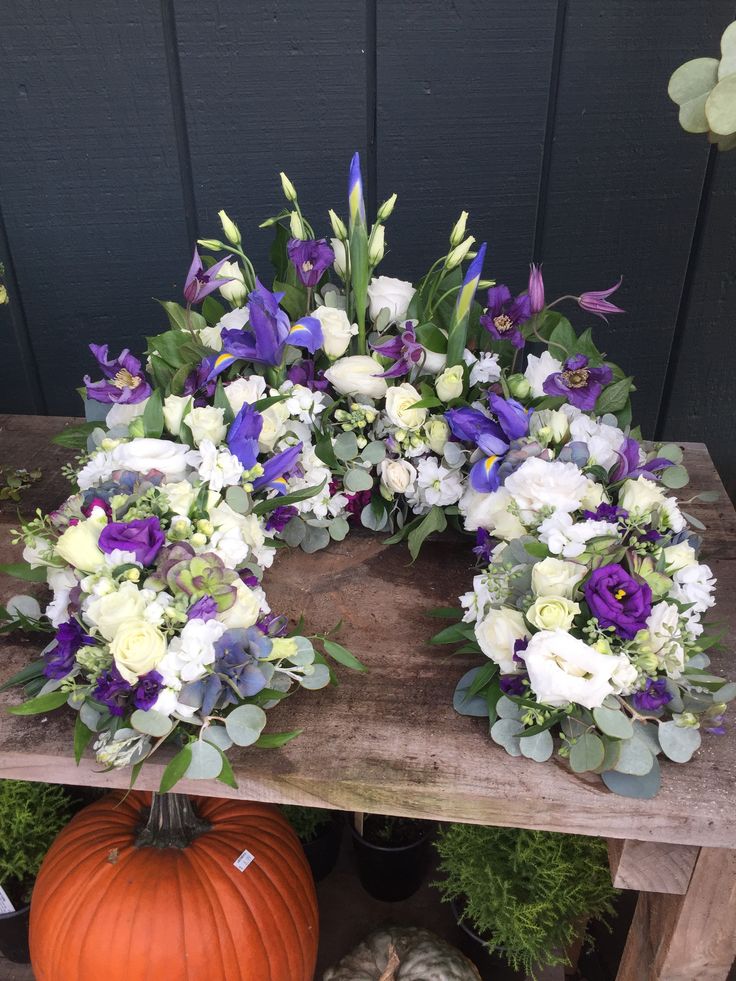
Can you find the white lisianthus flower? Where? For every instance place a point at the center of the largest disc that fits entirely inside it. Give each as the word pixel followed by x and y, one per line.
pixel 340 262
pixel 563 669
pixel 220 467
pixel 497 633
pixel 670 516
pixel 137 648
pixel 399 399
pixel 246 609
pixel 234 319
pixel 146 454
pixel 243 390
pixel 123 413
pixel 234 292
pixel 397 476
pixel 642 498
pixel 602 441
pixel 485 369
pixel 539 484
pixel 78 544
pixel 549 426
pixel 555 577
pixel 538 369
pixel 275 418
pixel 61 582
pixel 357 375
pixel 449 385
pixel 678 556
pixel 437 484
pixel 490 511
pixel 336 330
pixel 665 638
pixel 211 337
pixel 437 432
pixel 193 650
pixel 108 612
pixel 552 613
pixel 694 584
pixel 562 536
pixel 593 496
pixel 302 402
pixel 174 409
pixel 207 422
pixel 624 676
pixel 434 361
pixel 395 295
pixel 228 544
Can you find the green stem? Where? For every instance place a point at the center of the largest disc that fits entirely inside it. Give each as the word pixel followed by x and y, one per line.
pixel 172 822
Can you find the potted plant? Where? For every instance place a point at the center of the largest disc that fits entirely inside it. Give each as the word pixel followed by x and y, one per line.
pixel 31 815
pixel 393 854
pixel 523 895
pixel 320 832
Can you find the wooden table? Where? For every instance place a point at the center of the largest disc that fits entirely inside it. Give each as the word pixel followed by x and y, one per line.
pixel 388 741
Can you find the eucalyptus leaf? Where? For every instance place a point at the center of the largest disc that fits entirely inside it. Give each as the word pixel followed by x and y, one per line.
pixel 725 694
pixel 538 747
pixel 205 762
pixel 358 479
pixel 338 529
pixel 454 454
pixel 90 716
pixel 217 735
pixel 505 732
pixel 671 451
pixel 294 532
pixel 635 758
pixel 237 498
pixel 675 477
pixel 345 446
pixel 727 64
pixel 476 705
pixel 318 678
pixel 315 539
pixel 613 722
pixel 720 107
pixel 689 87
pixel 507 709
pixel 375 522
pixel 245 724
pixel 678 742
pixel 627 785
pixel 152 723
pixel 586 753
pixel 374 452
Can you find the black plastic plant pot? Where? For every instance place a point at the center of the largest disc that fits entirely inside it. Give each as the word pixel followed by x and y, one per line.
pixel 322 851
pixel 491 964
pixel 392 874
pixel 14 936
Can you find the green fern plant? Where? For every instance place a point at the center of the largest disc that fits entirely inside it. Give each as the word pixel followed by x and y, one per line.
pixel 306 821
pixel 526 893
pixel 31 815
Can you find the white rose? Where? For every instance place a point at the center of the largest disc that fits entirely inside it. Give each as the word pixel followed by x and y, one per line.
pixel 490 511
pixel 109 612
pixel 437 433
pixel 340 263
pixel 244 611
pixel 676 557
pixel 563 669
pixel 146 454
pixel 538 369
pixel 665 638
pixel 694 584
pixel 207 422
pixel 234 292
pixel 137 648
pixel 552 613
pixel 242 390
pixel 78 544
pixel 497 633
pixel 398 476
pixel 399 399
pixel 641 497
pixel 274 418
pixel 539 484
pixel 594 495
pixel 123 413
pixel 357 375
pixel 395 295
pixel 449 385
pixel 180 496
pixel 555 577
pixel 174 409
pixel 336 330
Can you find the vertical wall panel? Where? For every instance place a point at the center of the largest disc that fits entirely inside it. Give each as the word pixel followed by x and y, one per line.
pixel 461 112
pixel 269 87
pixel 89 180
pixel 624 179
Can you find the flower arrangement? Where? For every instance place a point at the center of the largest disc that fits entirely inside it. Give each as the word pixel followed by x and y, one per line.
pixel 284 416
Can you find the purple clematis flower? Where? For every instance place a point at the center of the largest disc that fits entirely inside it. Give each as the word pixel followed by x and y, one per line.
pixel 578 383
pixel 405 350
pixel 628 462
pixel 596 301
pixel 503 317
pixel 311 258
pixel 112 690
pixel 197 381
pixel 200 282
pixel 142 536
pixel 147 690
pixel 124 382
pixel 242 436
pixel 618 600
pixel 60 659
pixel 536 289
pixel 653 696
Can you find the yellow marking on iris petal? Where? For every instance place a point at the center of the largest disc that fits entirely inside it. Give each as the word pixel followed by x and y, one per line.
pixel 354 200
pixel 224 359
pixel 466 297
pixel 489 463
pixel 297 327
pixel 280 481
pixel 619 594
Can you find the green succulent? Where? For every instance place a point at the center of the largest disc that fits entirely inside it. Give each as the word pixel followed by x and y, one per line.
pixel 705 91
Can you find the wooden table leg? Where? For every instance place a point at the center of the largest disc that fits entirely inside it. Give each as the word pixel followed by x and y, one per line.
pixel 691 937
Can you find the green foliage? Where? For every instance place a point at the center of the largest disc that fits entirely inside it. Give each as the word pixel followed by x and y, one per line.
pixel 306 821
pixel 705 91
pixel 526 893
pixel 31 815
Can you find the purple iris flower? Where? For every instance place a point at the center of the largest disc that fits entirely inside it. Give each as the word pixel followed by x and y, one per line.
pixel 405 350
pixel 198 380
pixel 618 600
pixel 305 373
pixel 124 382
pixel 512 416
pixel 60 659
pixel 493 438
pixel 112 690
pixel 311 258
pixel 147 690
pixel 653 696
pixel 142 536
pixel 504 316
pixel 204 609
pixel 242 436
pixel 596 301
pixel 280 517
pixel 356 203
pixel 200 282
pixel 470 425
pixel 275 467
pixel 578 383
pixel 628 462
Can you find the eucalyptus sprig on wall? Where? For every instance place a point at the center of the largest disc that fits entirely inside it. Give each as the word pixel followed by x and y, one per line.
pixel 705 91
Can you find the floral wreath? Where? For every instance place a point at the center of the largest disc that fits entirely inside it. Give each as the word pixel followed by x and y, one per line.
pixel 282 417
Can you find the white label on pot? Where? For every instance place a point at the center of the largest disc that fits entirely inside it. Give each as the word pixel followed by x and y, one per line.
pixel 243 860
pixel 5 905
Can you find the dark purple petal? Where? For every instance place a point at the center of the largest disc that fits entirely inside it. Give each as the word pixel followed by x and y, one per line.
pixel 142 536
pixel 618 600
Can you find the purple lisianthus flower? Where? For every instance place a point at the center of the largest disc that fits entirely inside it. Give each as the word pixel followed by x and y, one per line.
pixel 596 301
pixel 405 350
pixel 504 316
pixel 60 659
pixel 200 282
pixel 578 383
pixel 311 258
pixel 243 433
pixel 513 684
pixel 142 536
pixel 606 512
pixel 280 517
pixel 147 690
pixel 618 600
pixel 112 690
pixel 123 383
pixel 654 695
pixel 204 609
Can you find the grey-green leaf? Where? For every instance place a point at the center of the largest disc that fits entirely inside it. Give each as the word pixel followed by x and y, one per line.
pixel 635 758
pixel 627 785
pixel 689 87
pixel 345 446
pixel 217 735
pixel 678 742
pixel 206 762
pixel 152 723
pixel 613 722
pixel 319 677
pixel 538 747
pixel 358 479
pixel 505 732
pixel 587 753
pixel 238 499
pixel 474 706
pixel 675 477
pixel 506 709
pixel 720 107
pixel 245 724
pixel 374 452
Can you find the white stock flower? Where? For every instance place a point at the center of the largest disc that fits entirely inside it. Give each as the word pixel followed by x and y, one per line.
pixel 194 649
pixel 357 375
pixel 485 369
pixel 602 441
pixel 497 633
pixel 211 337
pixel 398 476
pixel 207 423
pixel 395 295
pixel 539 484
pixel 490 511
pixel 96 470
pixel 336 330
pixel 146 454
pixel 665 638
pixel 399 399
pixel 540 368
pixel 555 577
pixel 243 390
pixel 303 403
pixel 562 536
pixel 219 467
pixel 563 669
pixel 437 484
pixel 670 516
pixel 624 676
pixel 61 582
pixel 694 584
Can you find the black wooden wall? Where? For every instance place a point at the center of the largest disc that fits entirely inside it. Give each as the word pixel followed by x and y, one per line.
pixel 126 125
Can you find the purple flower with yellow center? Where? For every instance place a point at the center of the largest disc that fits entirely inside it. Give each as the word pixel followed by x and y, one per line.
pixel 143 537
pixel 112 690
pixel 311 259
pixel 200 282
pixel 124 382
pixel 618 600
pixel 147 690
pixel 60 659
pixel 405 350
pixel 504 316
pixel 653 696
pixel 578 383
pixel 596 301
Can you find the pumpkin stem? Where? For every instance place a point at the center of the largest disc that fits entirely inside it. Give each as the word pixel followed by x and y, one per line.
pixel 172 823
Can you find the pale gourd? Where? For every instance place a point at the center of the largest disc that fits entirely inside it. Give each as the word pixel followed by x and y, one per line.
pixel 403 954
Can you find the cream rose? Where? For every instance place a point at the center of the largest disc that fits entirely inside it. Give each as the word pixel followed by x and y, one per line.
pixel 394 295
pixel 207 422
pixel 78 544
pixel 108 613
pixel 555 577
pixel 243 390
pixel 563 669
pixel 641 497
pixel 274 418
pixel 137 648
pixel 357 375
pixel 336 330
pixel 490 511
pixel 676 557
pixel 397 476
pixel 437 433
pixel 552 613
pixel 497 633
pixel 174 409
pixel 449 385
pixel 244 612
pixel 145 454
pixel 399 399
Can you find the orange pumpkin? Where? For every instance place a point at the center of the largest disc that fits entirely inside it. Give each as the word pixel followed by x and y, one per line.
pixel 113 902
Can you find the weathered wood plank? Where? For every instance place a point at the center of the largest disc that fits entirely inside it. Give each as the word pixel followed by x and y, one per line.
pixel 388 740
pixel 651 867
pixel 683 938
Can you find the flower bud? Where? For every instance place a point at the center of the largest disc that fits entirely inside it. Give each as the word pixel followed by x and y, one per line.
pixel 686 720
pixel 297 225
pixel 338 226
pixel 457 254
pixel 133 575
pixel 288 188
pixel 536 289
pixel 376 245
pixel 386 208
pixel 519 387
pixel 206 527
pixel 211 244
pixel 458 232
pixel 647 662
pixel 198 540
pixel 231 230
